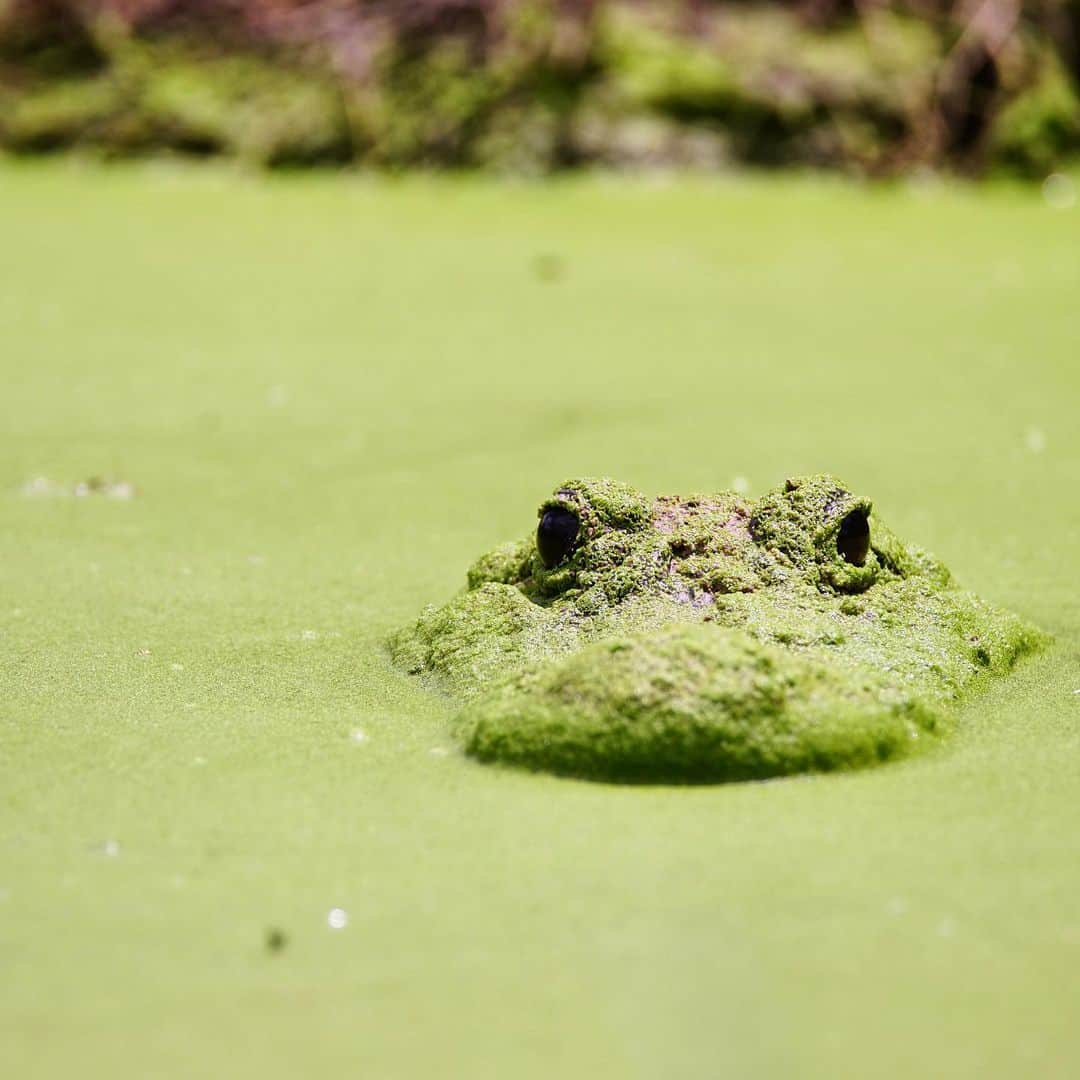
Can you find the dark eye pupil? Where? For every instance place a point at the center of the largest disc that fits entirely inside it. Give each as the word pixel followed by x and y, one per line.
pixel 555 536
pixel 853 540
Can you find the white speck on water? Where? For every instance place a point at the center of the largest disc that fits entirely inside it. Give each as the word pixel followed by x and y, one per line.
pixel 111 848
pixel 358 736
pixel 277 396
pixel 740 485
pixel 177 667
pixel 143 652
pixel 39 485
pixel 309 635
pixel 946 928
pixel 896 906
pixel 438 751
pixel 200 760
pixel 257 560
pixel 190 705
pixel 18 611
pixel 185 570
pixel 112 489
pixel 337 918
pixel 1035 440
pixel 1059 191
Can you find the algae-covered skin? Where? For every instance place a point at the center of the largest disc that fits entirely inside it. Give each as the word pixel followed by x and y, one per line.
pixel 708 638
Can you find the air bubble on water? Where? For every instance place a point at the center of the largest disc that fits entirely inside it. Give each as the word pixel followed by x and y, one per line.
pixel 896 906
pixel 111 848
pixel 946 928
pixel 177 667
pixel 1035 440
pixel 200 760
pixel 277 396
pixel 309 635
pixel 1059 191
pixel 740 485
pixel 337 918
pixel 358 736
pixel 257 560
pixel 438 751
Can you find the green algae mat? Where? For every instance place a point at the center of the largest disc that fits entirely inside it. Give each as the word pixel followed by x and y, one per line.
pixel 251 427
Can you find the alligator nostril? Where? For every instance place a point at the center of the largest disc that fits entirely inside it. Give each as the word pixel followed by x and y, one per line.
pixel 853 540
pixel 555 536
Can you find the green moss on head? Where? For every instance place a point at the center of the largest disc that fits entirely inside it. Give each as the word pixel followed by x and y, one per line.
pixel 475 639
pixel 505 565
pixel 602 504
pixel 808 521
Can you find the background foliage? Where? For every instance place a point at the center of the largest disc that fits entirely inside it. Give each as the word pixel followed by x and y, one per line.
pixel 537 85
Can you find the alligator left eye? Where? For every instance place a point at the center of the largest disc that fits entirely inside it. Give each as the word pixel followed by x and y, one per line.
pixel 555 536
pixel 853 540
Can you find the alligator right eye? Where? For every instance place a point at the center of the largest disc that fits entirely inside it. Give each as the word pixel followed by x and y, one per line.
pixel 853 540
pixel 555 535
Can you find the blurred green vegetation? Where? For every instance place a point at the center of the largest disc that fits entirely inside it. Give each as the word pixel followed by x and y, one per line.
pixel 531 86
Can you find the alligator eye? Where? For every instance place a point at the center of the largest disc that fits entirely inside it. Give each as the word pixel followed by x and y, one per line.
pixel 853 540
pixel 555 536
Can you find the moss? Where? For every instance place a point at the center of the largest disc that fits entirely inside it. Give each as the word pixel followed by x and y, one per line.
pixel 429 106
pixel 779 90
pixel 503 565
pixel 1041 126
pixel 456 640
pixel 58 115
pixel 656 70
pixel 867 634
pixel 255 111
pixel 603 503
pixel 530 89
pixel 688 704
pixel 156 97
pixel 801 522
